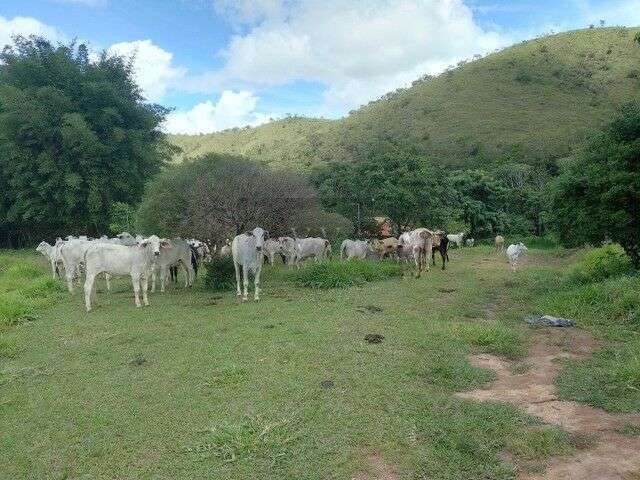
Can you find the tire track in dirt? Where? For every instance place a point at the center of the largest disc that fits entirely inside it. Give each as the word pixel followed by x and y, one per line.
pixel 611 457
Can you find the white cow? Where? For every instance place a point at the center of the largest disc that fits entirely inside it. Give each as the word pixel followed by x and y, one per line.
pixel 126 239
pixel 246 250
pixel 72 254
pixel 420 243
pixel 272 247
pixel 515 253
pixel 136 261
pixel 317 248
pixel 458 239
pixel 173 253
pixel 499 243
pixel 287 250
pixel 470 242
pixel 52 253
pixel 355 249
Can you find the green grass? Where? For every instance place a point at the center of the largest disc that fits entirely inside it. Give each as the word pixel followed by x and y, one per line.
pixel 337 273
pixel 536 99
pixel 200 386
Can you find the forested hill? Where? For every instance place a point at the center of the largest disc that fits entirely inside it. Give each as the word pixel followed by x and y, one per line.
pixel 534 100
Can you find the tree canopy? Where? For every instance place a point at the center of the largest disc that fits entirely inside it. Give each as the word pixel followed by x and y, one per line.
pixel 75 137
pixel 597 197
pixel 219 196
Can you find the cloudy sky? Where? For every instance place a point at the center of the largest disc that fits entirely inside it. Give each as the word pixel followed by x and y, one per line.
pixel 226 63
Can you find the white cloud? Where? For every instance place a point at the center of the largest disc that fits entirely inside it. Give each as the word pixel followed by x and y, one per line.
pixel 233 109
pixel 26 26
pixel 358 49
pixel 153 67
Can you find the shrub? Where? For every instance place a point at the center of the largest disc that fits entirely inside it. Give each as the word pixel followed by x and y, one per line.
pixel 220 274
pixel 337 274
pixel 610 260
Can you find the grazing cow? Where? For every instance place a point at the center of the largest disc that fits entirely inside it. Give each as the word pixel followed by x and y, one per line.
pixel 246 250
pixel 287 250
pixel 420 243
pixel 199 253
pixel 52 253
pixel 272 247
pixel 355 249
pixel 470 242
pixel 440 244
pixel 458 239
pixel 514 253
pixel 317 248
pixel 499 243
pixel 136 261
pixel 386 247
pixel 175 252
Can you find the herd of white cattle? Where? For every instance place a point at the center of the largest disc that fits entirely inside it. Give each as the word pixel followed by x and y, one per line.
pixel 145 258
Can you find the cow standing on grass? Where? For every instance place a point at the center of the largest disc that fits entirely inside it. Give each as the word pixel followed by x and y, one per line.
pixel 515 253
pixel 248 256
pixel 174 253
pixel 458 239
pixel 499 243
pixel 317 248
pixel 52 253
pixel 355 249
pixel 287 250
pixel 419 244
pixel 136 261
pixel 440 244
pixel 272 247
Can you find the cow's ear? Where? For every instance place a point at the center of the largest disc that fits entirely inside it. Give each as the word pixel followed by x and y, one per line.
pixel 165 243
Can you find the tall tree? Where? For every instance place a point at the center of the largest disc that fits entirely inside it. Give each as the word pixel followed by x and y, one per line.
pixel 75 137
pixel 597 197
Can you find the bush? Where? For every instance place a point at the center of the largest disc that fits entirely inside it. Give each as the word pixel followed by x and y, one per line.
pixel 601 263
pixel 337 274
pixel 220 274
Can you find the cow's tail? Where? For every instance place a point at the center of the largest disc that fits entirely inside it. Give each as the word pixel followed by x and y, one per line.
pixel 194 261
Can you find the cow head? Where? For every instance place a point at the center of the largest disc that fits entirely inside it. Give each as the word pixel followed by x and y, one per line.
pixel 154 244
pixel 260 235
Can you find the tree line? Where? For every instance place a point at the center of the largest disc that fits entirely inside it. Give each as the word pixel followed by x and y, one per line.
pixel 81 151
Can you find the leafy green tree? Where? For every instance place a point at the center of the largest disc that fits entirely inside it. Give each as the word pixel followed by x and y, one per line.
pixel 401 188
pixel 122 218
pixel 597 197
pixel 482 202
pixel 75 137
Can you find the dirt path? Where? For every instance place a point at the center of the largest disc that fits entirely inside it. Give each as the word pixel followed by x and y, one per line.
pixel 611 456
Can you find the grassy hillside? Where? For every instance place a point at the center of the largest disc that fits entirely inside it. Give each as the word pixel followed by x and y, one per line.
pixel 536 99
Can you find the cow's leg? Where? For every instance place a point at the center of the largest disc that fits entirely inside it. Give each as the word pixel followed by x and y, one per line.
pixel 256 283
pixel 237 269
pixel 145 286
pixel 163 278
pixel 107 278
pixel 88 290
pixel 69 273
pixel 443 255
pixel 245 282
pixel 153 279
pixel 135 280
pixel 54 269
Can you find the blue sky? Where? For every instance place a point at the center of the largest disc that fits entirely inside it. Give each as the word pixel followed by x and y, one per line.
pixel 226 63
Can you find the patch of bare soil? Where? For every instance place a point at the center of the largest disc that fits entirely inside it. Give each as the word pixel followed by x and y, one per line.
pixel 378 470
pixel 611 455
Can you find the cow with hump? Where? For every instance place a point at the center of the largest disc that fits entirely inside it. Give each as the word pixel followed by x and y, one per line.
pixel 248 256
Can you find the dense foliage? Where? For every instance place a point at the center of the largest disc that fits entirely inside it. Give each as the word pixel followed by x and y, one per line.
pixel 219 196
pixel 75 137
pixel 338 274
pixel 597 197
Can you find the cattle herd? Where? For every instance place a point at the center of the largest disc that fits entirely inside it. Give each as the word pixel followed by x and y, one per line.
pixel 153 258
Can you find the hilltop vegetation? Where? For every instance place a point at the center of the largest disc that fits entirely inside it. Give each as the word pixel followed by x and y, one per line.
pixel 532 101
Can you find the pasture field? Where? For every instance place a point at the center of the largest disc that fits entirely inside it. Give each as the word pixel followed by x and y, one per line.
pixel 199 386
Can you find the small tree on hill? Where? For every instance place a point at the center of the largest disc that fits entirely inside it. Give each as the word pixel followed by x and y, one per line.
pixel 597 198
